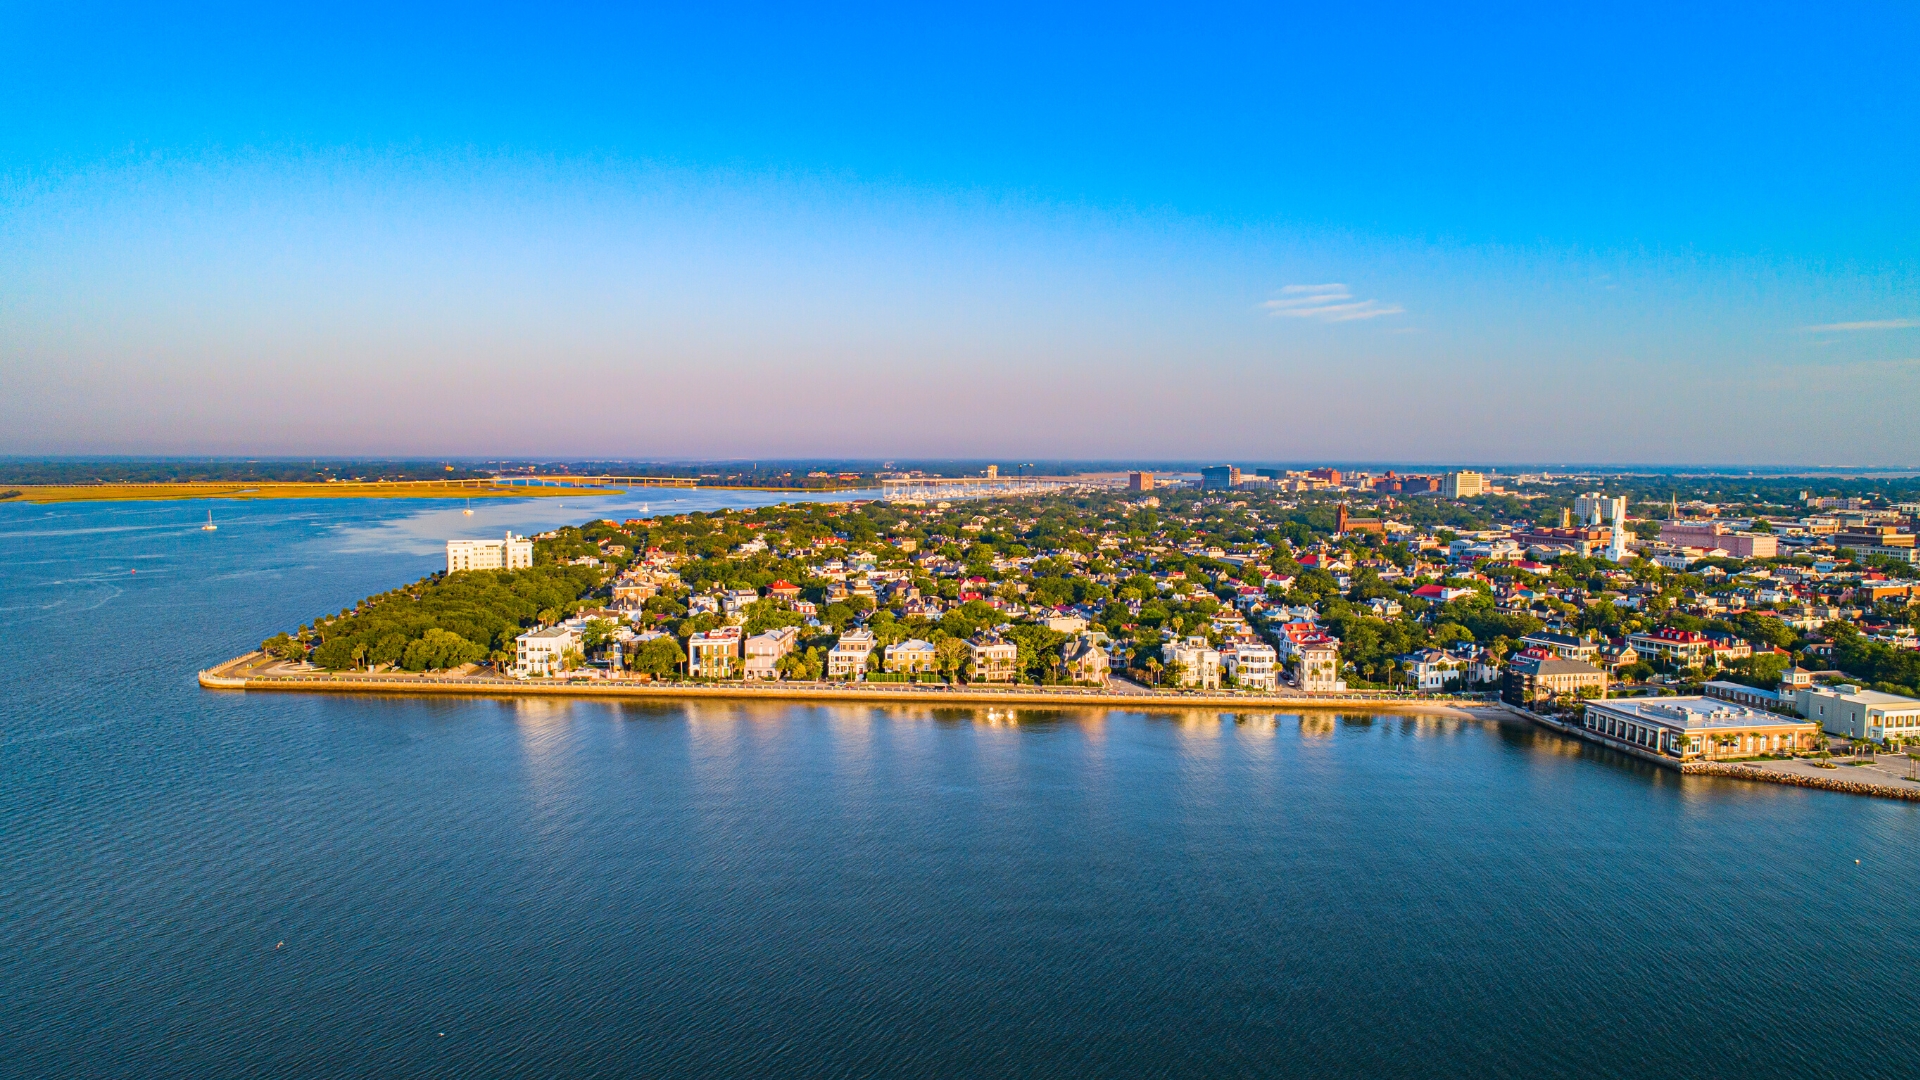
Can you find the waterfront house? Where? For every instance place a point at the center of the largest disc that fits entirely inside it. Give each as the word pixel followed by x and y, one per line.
pixel 848 659
pixel 763 651
pixel 911 657
pixel 1252 665
pixel 1193 662
pixel 714 654
pixel 1431 669
pixel 1317 663
pixel 543 653
pixel 1535 674
pixel 1086 659
pixel 992 659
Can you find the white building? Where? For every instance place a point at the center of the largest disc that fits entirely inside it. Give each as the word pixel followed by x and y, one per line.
pixel 513 553
pixel 1193 663
pixel 1253 666
pixel 1594 508
pixel 542 653
pixel 1845 709
pixel 1463 485
pixel 1431 669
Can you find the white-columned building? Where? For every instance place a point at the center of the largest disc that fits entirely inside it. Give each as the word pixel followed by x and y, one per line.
pixel 1252 665
pixel 1193 662
pixel 512 553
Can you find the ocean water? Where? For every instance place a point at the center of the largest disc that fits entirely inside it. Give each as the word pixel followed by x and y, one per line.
pixel 198 884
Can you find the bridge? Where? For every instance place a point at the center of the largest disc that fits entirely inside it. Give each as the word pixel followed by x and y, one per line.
pixel 605 480
pixel 949 488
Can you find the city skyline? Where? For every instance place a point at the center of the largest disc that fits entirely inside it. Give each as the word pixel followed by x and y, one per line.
pixel 1260 235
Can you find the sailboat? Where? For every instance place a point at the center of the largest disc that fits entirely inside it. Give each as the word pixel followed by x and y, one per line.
pixel 469 510
pixel 209 526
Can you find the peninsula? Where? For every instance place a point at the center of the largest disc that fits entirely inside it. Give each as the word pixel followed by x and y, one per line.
pixel 1787 640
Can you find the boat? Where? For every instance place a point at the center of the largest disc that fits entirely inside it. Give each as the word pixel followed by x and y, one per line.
pixel 209 526
pixel 469 510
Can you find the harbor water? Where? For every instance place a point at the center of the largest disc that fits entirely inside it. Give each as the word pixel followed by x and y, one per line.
pixel 200 884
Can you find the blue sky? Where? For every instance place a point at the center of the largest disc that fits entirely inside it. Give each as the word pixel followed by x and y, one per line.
pixel 1499 233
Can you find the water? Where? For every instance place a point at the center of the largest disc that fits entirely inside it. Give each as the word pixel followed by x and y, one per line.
pixel 477 888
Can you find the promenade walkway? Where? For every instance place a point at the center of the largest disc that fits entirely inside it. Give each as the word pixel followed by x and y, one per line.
pixel 256 671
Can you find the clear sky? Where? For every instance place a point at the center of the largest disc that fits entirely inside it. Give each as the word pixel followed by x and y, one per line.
pixel 1475 233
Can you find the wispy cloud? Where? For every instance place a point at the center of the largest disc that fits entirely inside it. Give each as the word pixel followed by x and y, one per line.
pixel 1328 303
pixel 1871 324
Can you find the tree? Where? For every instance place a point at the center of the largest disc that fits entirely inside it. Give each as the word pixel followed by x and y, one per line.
pixel 804 664
pixel 659 657
pixel 951 654
pixel 1038 651
pixel 439 649
pixel 596 634
pixel 334 655
pixel 284 647
pixel 765 615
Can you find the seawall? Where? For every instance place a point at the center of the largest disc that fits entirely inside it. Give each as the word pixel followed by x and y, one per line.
pixel 227 676
pixel 1775 776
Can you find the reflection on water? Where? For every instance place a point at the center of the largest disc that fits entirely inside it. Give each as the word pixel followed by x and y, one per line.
pixel 1318 725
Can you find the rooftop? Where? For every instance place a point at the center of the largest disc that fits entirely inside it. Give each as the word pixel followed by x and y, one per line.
pixel 1692 713
pixel 1864 697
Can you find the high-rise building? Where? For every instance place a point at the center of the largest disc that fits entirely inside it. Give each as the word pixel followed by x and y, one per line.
pixel 1139 481
pixel 1463 485
pixel 993 472
pixel 1594 508
pixel 1220 476
pixel 513 553
pixel 1331 476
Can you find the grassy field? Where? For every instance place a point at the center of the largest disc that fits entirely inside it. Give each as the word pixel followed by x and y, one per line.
pixel 345 489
